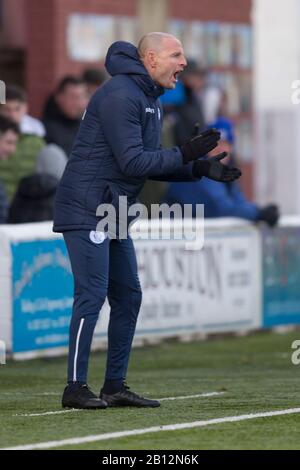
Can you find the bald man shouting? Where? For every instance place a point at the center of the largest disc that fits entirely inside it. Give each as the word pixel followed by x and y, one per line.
pixel 116 150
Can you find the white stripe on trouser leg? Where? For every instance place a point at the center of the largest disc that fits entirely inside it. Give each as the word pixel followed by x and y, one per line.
pixel 76 350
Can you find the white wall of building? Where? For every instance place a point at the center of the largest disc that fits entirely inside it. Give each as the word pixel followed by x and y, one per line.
pixel 276 118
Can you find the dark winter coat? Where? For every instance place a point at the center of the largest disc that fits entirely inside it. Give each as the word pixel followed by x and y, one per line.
pixel 118 144
pixel 34 199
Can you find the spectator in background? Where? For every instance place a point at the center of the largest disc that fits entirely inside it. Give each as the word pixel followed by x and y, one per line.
pixel 190 111
pixel 93 78
pixel 51 160
pixel 16 108
pixel 9 134
pixel 63 112
pixel 34 198
pixel 23 160
pixel 172 100
pixel 221 199
pixel 211 99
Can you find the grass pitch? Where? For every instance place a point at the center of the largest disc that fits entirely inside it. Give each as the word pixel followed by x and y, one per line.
pixel 252 374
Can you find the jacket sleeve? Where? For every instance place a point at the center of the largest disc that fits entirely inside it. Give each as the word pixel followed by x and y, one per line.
pixel 120 119
pixel 230 203
pixel 245 208
pixel 184 174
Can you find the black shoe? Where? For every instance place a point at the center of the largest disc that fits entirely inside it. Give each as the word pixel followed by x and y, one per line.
pixel 80 396
pixel 127 398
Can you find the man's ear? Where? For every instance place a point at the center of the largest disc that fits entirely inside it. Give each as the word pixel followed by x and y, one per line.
pixel 152 60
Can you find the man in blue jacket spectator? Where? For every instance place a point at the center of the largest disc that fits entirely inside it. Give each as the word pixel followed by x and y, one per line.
pixel 116 150
pixel 9 134
pixel 225 199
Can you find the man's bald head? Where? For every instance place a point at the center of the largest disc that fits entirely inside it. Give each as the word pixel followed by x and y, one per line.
pixel 163 57
pixel 154 41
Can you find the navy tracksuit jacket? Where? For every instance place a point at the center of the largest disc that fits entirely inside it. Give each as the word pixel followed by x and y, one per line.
pixel 116 150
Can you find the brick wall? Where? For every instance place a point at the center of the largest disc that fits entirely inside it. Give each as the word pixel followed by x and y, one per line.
pixel 46 20
pixel 209 10
pixel 41 29
pixel 13 29
pixel 47 59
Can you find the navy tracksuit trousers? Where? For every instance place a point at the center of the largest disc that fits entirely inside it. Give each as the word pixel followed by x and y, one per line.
pixel 102 268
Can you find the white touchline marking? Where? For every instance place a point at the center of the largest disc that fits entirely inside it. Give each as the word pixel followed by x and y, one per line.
pixel 136 432
pixel 25 394
pixel 200 395
pixel 47 413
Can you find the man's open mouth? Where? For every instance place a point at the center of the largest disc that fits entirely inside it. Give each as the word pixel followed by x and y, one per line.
pixel 176 74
